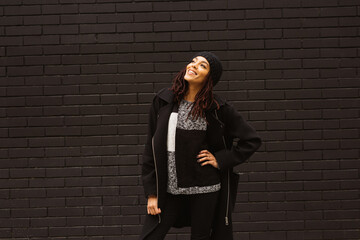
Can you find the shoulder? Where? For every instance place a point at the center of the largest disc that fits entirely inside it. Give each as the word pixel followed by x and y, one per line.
pixel 224 104
pixel 228 113
pixel 161 98
pixel 165 94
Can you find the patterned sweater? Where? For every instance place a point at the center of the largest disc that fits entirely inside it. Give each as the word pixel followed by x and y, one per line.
pixel 186 138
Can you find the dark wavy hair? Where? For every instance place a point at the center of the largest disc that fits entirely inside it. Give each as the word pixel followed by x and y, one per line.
pixel 203 99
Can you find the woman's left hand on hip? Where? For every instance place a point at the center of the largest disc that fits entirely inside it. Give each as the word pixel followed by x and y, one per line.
pixel 206 157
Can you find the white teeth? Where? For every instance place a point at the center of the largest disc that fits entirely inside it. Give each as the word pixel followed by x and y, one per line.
pixel 192 72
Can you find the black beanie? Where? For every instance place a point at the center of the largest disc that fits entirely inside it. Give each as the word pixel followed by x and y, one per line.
pixel 215 65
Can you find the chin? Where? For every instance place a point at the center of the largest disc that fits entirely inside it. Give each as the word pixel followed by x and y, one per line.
pixel 187 78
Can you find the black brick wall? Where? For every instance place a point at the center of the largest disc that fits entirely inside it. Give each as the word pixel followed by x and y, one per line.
pixel 77 78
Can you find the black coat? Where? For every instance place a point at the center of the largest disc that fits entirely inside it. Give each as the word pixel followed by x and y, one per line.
pixel 230 139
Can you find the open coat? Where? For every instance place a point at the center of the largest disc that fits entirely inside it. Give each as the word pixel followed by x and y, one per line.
pixel 230 139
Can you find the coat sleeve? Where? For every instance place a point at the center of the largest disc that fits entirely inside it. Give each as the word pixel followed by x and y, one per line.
pixel 242 140
pixel 148 173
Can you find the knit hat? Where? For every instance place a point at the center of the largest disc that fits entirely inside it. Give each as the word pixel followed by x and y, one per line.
pixel 215 65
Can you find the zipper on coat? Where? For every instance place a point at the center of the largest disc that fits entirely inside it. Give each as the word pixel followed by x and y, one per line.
pixel 227 203
pixel 228 187
pixel 156 175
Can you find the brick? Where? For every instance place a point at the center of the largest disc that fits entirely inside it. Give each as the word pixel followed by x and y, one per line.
pixel 42 40
pixel 42 60
pixel 115 38
pixel 151 17
pixel 100 171
pixel 62 9
pixel 349 184
pixel 325 144
pixel 320 43
pixel 205 25
pixel 26 173
pixel 39 20
pixel 91 110
pixel 63 192
pixel 25 71
pixel 245 5
pixel 199 5
pixel 97 28
pixel 27 193
pixel 113 18
pixel 13 142
pixel 44 182
pixel 123 181
pixel 66 231
pixel 288 43
pixel 348 234
pixel 34 212
pixel 88 201
pixel 188 16
pixel 133 7
pixel 336 32
pixel 103 230
pixel 10 41
pixel 99 130
pixel 115 220
pixel 83 161
pixel 48 222
pixel 45 121
pixel 44 101
pixel 245 24
pixel 101 191
pixel 264 13
pixel 171 6
pixel 62 152
pixel 337 195
pixel 174 26
pixel 321 84
pixel 288 225
pixel 77 39
pixel 97 8
pixel 22 10
pixel 283 186
pixel 286 206
pixel 141 67
pixel 23 30
pixel 320 3
pixel 103 48
pixel 61 29
pixel 62 70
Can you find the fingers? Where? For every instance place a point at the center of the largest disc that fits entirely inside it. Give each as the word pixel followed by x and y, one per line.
pixel 152 207
pixel 154 211
pixel 206 155
pixel 206 158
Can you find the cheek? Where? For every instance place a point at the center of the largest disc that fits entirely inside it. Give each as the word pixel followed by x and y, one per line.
pixel 204 73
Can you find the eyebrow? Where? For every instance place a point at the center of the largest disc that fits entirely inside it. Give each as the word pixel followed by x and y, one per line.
pixel 202 61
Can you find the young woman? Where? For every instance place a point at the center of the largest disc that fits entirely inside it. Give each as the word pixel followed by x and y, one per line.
pixel 195 138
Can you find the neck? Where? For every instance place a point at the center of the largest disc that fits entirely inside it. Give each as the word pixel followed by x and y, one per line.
pixel 191 93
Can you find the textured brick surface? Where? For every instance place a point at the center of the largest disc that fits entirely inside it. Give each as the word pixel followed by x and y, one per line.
pixel 77 78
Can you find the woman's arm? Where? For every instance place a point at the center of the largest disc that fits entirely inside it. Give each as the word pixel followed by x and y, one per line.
pixel 245 139
pixel 148 169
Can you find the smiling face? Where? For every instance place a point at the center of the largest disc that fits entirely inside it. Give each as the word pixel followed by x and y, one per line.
pixel 197 71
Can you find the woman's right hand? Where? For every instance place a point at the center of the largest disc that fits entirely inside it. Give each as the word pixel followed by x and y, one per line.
pixel 152 206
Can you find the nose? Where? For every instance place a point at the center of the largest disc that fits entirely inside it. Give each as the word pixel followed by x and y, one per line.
pixel 194 65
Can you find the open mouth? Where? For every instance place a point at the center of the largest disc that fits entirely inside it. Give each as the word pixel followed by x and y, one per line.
pixel 191 72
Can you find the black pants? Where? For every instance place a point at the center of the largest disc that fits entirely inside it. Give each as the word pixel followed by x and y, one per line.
pixel 202 209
